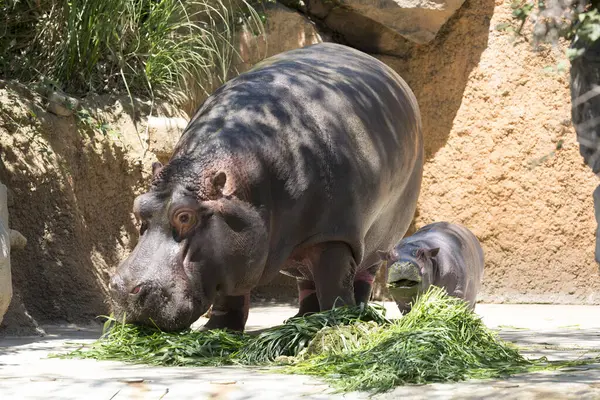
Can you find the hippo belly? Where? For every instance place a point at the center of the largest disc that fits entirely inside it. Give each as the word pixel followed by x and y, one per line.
pixel 440 254
pixel 302 165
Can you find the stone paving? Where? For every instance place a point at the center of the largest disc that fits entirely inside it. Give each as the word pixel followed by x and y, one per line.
pixel 558 332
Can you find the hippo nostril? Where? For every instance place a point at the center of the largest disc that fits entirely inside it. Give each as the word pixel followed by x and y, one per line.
pixel 136 290
pixel 116 284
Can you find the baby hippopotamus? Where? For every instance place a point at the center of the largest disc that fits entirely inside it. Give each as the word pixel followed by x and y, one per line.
pixel 441 254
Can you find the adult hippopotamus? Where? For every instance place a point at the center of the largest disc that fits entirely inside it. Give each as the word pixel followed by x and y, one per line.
pixel 440 254
pixel 302 165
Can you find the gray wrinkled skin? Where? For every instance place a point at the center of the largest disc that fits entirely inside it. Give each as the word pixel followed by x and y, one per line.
pixel 585 100
pixel 585 113
pixel 302 165
pixel 441 254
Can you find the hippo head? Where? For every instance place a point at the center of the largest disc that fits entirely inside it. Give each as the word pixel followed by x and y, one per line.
pixel 410 270
pixel 191 248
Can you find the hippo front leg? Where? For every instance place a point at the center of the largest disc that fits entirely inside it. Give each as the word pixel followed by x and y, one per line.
pixel 229 312
pixel 334 276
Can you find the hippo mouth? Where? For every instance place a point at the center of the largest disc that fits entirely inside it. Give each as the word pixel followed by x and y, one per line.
pixel 167 311
pixel 404 275
pixel 403 283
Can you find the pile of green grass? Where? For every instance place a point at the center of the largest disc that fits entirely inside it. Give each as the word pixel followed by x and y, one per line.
pixel 440 340
pixel 353 348
pixel 296 334
pixel 145 345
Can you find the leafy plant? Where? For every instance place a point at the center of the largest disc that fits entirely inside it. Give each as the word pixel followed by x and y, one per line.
pixel 556 19
pixel 143 345
pixel 158 47
pixel 440 340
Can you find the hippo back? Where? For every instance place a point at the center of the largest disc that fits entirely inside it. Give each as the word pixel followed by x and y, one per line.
pixel 327 139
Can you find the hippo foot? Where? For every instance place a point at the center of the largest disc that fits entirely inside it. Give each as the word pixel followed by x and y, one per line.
pixel 229 312
pixel 404 307
pixel 307 294
pixel 233 321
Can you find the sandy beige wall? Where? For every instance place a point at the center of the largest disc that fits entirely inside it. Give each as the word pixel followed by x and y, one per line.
pixel 509 166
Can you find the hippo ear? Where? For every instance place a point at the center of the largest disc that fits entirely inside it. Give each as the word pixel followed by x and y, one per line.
pixel 156 167
pixel 432 252
pixel 425 253
pixel 219 181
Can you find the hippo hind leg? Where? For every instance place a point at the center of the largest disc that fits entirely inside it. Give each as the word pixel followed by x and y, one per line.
pixel 333 276
pixel 363 284
pixel 307 294
pixel 327 278
pixel 229 312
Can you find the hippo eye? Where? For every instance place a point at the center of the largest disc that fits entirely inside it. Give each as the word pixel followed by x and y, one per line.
pixel 184 221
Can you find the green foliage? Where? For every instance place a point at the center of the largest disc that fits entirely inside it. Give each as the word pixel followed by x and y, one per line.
pixel 95 124
pixel 157 47
pixel 556 19
pixel 143 345
pixel 132 343
pixel 588 32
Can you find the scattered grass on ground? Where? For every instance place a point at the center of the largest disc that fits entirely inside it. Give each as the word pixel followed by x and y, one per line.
pixel 352 348
pixel 143 345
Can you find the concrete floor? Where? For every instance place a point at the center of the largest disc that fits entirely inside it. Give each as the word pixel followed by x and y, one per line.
pixel 558 332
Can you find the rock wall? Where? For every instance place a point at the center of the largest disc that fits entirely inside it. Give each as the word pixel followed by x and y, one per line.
pixel 72 182
pixel 510 169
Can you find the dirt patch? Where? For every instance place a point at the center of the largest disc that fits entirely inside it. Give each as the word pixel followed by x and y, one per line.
pixel 72 182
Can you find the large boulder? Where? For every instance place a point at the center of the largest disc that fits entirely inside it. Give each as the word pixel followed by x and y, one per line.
pixel 163 134
pixel 417 20
pixel 387 27
pixel 285 29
